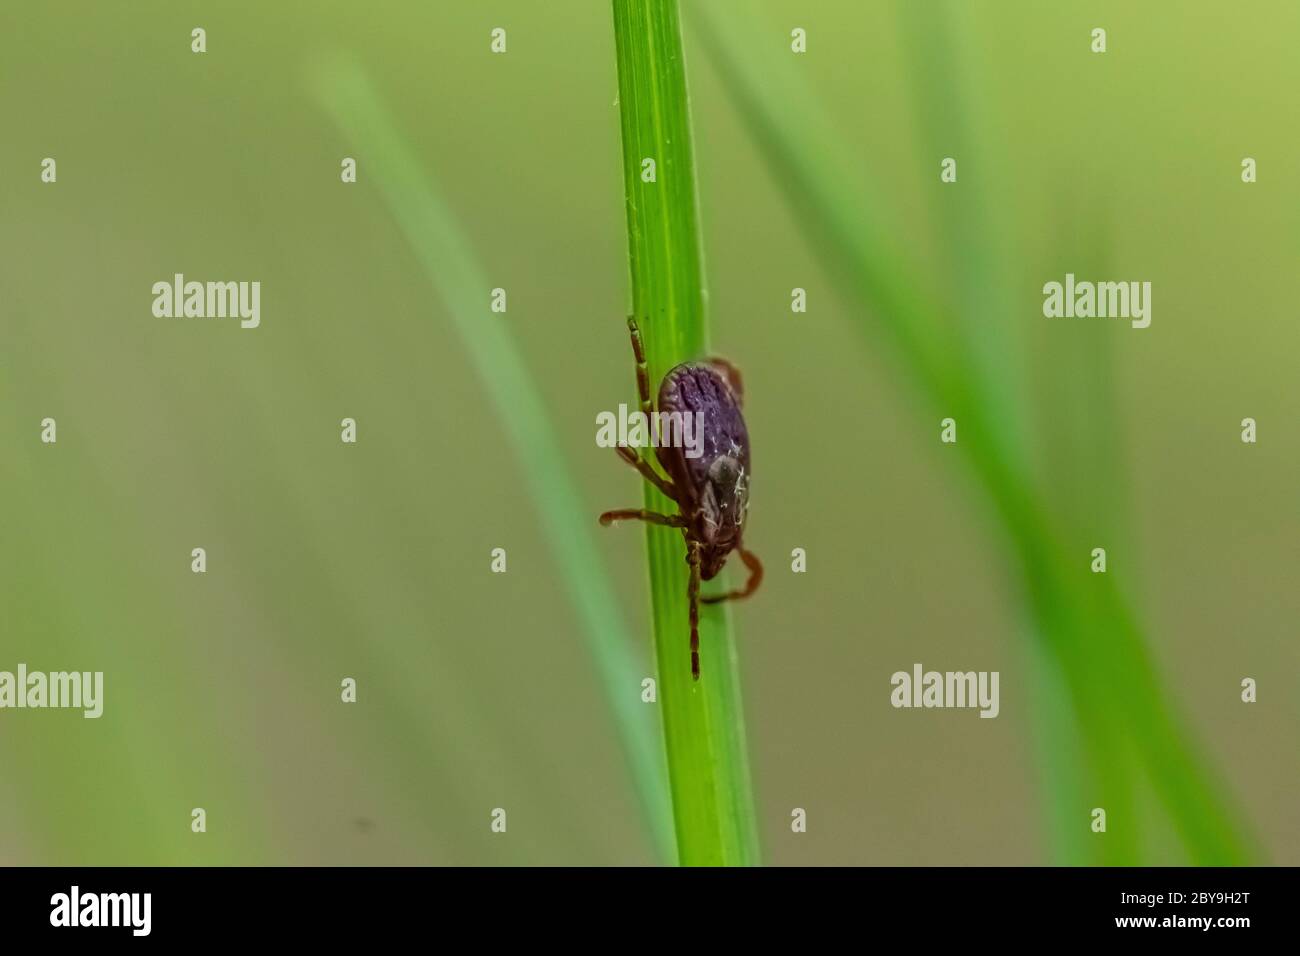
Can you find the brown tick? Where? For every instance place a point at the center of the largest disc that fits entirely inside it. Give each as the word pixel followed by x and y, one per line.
pixel 712 489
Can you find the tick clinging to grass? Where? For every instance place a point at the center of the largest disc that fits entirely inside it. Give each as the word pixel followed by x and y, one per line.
pixel 711 487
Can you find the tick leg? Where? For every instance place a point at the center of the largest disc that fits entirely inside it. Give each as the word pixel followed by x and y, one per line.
pixel 640 514
pixel 755 579
pixel 630 456
pixel 693 594
pixel 647 408
pixel 642 371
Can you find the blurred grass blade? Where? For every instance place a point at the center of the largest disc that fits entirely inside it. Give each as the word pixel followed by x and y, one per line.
pixel 945 86
pixel 978 253
pixel 345 93
pixel 708 763
pixel 1087 627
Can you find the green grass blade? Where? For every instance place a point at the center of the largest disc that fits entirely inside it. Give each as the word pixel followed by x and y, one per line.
pixel 1088 629
pixel 703 721
pixel 345 93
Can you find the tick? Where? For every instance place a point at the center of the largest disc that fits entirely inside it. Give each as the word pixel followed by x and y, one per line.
pixel 711 490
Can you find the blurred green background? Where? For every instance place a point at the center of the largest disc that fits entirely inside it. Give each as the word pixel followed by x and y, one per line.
pixel 372 561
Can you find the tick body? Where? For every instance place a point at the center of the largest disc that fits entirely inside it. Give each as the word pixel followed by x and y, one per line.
pixel 712 489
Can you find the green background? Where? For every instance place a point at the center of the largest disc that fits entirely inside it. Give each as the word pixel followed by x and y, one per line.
pixel 477 690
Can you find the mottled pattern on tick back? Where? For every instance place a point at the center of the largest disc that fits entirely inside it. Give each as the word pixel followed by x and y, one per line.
pixel 716 484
